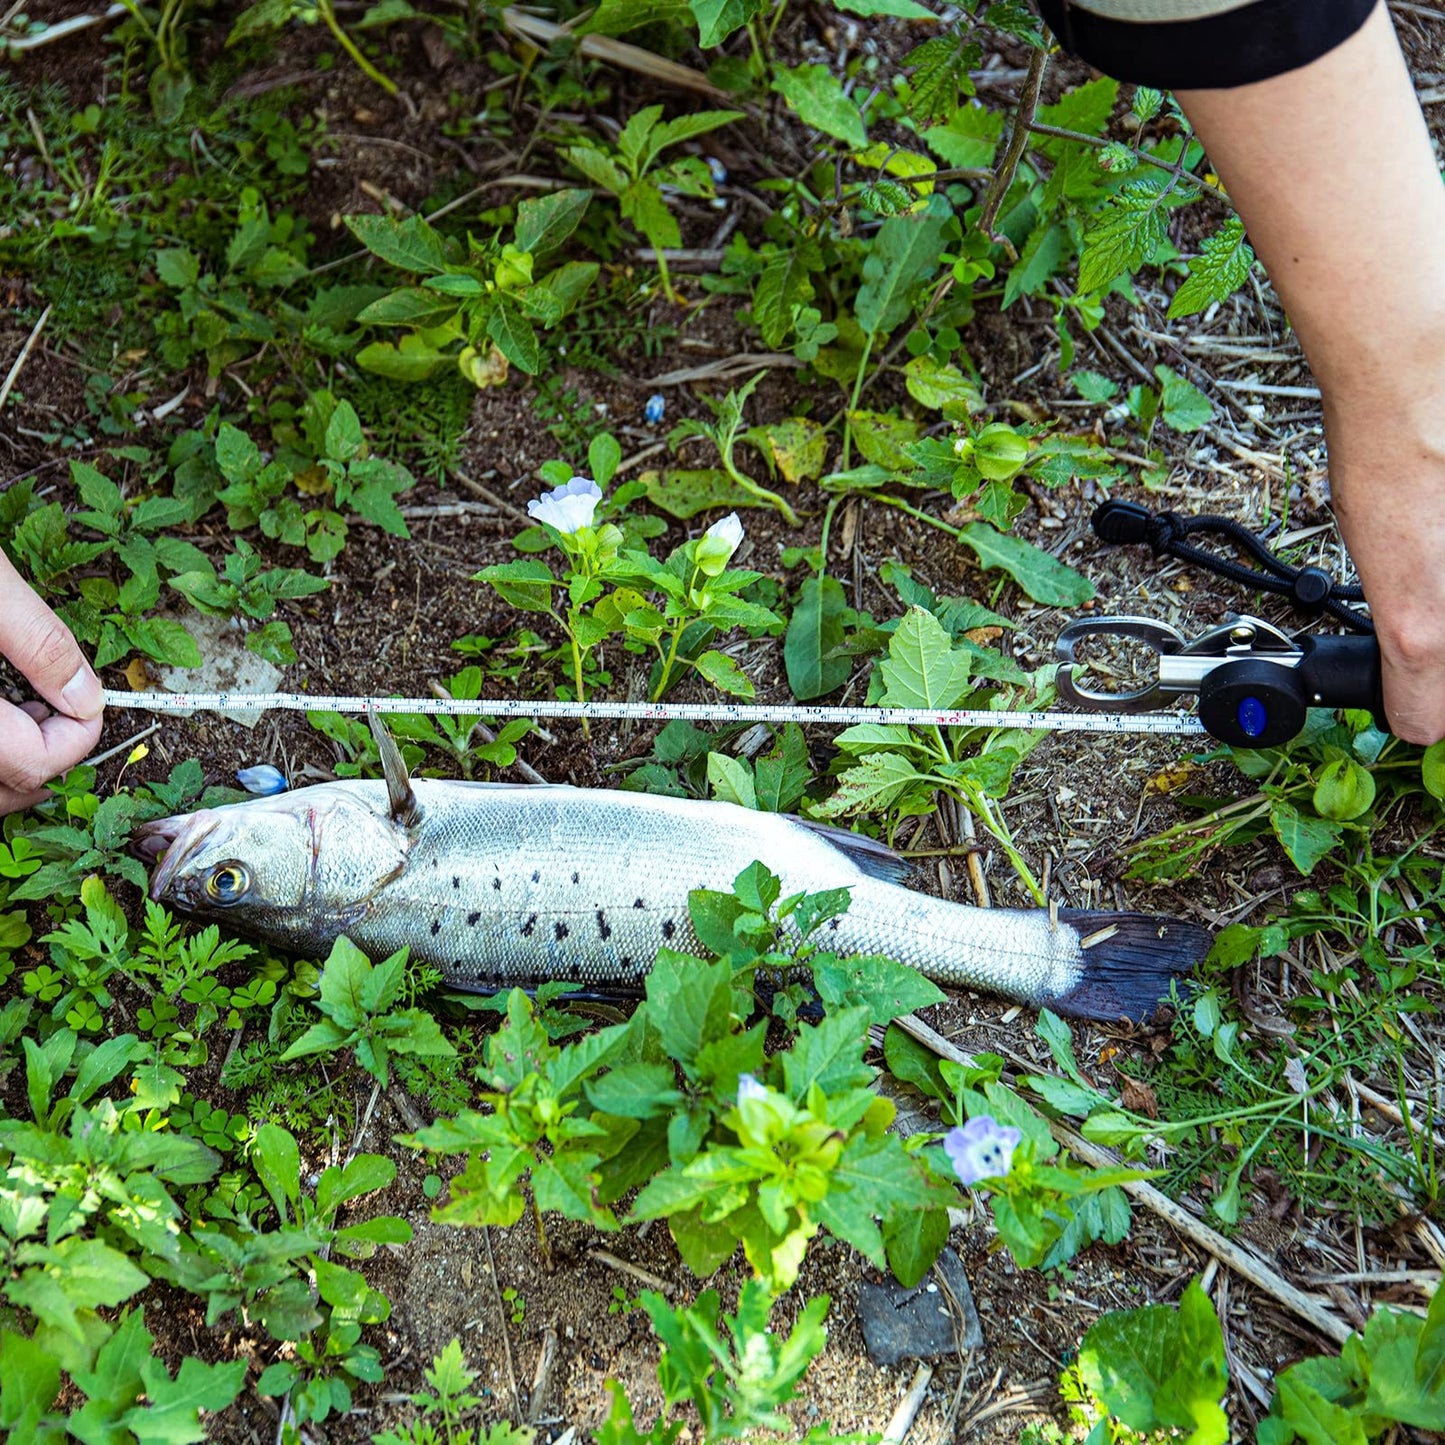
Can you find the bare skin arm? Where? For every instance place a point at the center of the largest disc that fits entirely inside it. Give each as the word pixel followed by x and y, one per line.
pixel 1332 169
pixel 37 741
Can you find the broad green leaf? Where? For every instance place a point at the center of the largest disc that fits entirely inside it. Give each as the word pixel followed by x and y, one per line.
pixel 782 286
pixel 276 1158
pixel 731 781
pixel 1086 108
pixel 410 306
pixel 922 668
pixel 601 170
pixel 1314 1419
pixel 884 437
pixel 941 71
pixel 1221 268
pixel 29 1380
pixel 1040 259
pixel 686 127
pixel 968 139
pixel 410 245
pixel 815 631
pixel 545 222
pixel 937 384
pixel 514 336
pixel 885 988
pixel 1182 405
pixel 903 9
pixel 1306 839
pixel 797 446
pixel 172 1414
pixel 913 1239
pixel 643 204
pixel 1125 234
pixel 684 493
pixel 816 97
pixel 1042 577
pixel 724 674
pixel 877 781
pixel 410 359
pixel 906 251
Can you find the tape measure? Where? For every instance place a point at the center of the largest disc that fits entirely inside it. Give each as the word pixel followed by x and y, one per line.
pixel 714 712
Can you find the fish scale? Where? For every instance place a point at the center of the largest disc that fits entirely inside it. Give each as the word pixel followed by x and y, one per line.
pixel 499 885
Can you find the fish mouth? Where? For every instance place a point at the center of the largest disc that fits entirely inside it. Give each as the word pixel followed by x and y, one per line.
pixel 166 843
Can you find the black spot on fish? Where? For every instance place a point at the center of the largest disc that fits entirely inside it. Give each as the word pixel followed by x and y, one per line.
pixel 456 880
pixel 576 877
pixel 496 885
pixel 604 928
pixel 529 925
pixel 472 919
pixel 536 875
pixel 638 903
pixel 668 928
pixel 560 930
pixel 436 927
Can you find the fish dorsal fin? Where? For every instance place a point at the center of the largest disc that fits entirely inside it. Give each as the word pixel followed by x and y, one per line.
pixel 399 793
pixel 876 859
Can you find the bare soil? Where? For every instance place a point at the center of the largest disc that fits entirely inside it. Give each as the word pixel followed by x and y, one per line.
pixel 387 623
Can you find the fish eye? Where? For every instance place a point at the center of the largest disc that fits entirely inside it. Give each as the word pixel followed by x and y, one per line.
pixel 228 883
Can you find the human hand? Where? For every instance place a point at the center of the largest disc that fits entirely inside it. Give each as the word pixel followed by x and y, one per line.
pixel 38 742
pixel 1387 481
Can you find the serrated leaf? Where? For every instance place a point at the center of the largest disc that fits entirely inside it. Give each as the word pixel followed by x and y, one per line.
pixel 968 139
pixel 1124 234
pixel 730 780
pixel 878 780
pixel 545 222
pixel 816 97
pixel 410 245
pixel 922 669
pixel 906 251
pixel 782 285
pixel 1221 268
pixel 1182 405
pixel 409 306
pixel 940 71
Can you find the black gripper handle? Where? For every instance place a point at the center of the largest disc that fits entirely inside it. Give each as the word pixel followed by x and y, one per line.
pixel 1342 672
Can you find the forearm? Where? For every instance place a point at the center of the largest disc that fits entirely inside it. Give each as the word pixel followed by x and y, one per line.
pixel 1332 169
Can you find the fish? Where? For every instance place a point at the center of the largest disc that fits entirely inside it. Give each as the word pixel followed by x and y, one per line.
pixel 500 885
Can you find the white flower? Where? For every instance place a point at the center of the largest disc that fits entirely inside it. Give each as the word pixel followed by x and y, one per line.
pixel 569 508
pixel 729 530
pixel 749 1088
pixel 716 546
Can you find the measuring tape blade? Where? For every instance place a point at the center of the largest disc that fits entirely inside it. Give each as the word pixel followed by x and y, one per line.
pixel 716 712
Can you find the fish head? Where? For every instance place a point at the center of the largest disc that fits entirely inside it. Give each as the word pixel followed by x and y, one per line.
pixel 295 870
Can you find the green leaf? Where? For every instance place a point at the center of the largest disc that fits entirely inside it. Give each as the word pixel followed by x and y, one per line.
pixel 29 1381
pixel 410 359
pixel 545 222
pixel 829 1055
pixel 1221 268
pixel 173 1414
pixel 1306 839
pixel 731 781
pixel 922 669
pixel 1124 234
pixel 782 286
pixel 816 97
pixel 514 336
pixel 276 1158
pixel 643 204
pixel 883 438
pixel 718 19
pixel 1086 108
pixel 1040 259
pixel 1042 577
pixel 684 493
pixel 877 781
pixel 903 9
pixel 724 674
pixel 968 139
pixel 1432 770
pixel 1313 1418
pixel 687 127
pixel 601 170
pixel 941 71
pixel 1182 405
pixel 410 245
pixel 410 306
pixel 815 631
pixel 938 384
pixel 525 584
pixel 887 990
pixel 906 251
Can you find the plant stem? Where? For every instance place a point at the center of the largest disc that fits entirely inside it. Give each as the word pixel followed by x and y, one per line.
pixel 577 676
pixel 542 1243
pixel 667 663
pixel 853 401
pixel 887 501
pixel 349 46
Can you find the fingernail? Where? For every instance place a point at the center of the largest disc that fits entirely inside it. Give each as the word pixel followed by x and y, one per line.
pixel 82 695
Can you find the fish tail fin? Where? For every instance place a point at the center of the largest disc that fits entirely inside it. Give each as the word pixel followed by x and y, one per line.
pixel 1128 963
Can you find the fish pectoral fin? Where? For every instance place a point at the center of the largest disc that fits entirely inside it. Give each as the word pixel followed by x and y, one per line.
pixel 400 796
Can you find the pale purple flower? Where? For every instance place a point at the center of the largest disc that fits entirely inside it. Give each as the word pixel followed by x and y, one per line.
pixel 717 170
pixel 569 508
pixel 262 779
pixel 655 409
pixel 750 1088
pixel 982 1149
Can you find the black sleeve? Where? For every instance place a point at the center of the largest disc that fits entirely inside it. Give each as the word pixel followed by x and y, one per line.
pixel 1228 45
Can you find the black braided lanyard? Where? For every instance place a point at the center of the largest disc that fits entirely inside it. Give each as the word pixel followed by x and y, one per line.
pixel 1310 589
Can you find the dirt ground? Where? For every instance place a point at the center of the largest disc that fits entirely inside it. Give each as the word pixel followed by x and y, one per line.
pixel 387 623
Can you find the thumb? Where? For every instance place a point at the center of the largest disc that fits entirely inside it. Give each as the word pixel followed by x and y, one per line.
pixel 37 642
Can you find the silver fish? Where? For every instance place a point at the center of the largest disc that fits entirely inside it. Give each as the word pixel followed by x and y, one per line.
pixel 501 885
